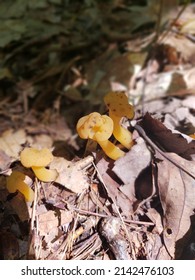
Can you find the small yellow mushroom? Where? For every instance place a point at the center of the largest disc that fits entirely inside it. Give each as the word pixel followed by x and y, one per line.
pixel 99 128
pixel 119 107
pixel 38 160
pixel 15 182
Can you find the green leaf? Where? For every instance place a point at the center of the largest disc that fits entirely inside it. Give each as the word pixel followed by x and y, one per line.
pixel 41 4
pixel 13 9
pixel 11 30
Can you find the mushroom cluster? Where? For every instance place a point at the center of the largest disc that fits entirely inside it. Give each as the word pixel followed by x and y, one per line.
pixel 100 127
pixel 37 160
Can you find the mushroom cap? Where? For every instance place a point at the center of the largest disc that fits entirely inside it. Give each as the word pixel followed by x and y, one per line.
pixel 95 126
pixel 33 157
pixel 117 103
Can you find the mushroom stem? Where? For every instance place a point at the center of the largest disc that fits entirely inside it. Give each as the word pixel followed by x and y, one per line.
pixel 16 182
pixel 111 150
pixel 26 191
pixel 45 175
pixel 121 134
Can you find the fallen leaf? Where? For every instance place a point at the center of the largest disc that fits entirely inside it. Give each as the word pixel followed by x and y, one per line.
pixel 177 195
pixel 39 141
pixel 131 165
pixel 10 142
pixel 166 139
pixel 154 247
pixel 5 161
pixel 163 254
pixel 72 175
pixel 110 180
pixel 155 217
pixel 175 113
pixel 156 86
pixel 49 220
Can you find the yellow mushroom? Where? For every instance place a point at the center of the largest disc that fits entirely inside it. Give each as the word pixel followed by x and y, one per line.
pixel 15 182
pixel 38 160
pixel 99 128
pixel 118 106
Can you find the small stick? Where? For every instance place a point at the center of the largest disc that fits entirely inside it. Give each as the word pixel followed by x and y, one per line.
pixel 86 212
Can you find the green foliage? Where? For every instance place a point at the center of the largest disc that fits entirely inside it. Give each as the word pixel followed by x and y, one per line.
pixel 79 23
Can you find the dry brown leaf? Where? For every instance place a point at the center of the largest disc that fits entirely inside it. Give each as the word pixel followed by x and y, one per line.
pixel 50 220
pixel 154 247
pixel 177 195
pixel 156 86
pixel 183 45
pixel 155 217
pixel 163 254
pixel 166 139
pixel 72 175
pixel 110 180
pixel 10 142
pixel 131 165
pixel 5 161
pixel 40 140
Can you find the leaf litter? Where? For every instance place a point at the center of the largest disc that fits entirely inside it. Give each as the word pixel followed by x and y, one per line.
pixel 140 206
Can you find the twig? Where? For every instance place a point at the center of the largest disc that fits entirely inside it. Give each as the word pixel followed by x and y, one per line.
pixel 86 212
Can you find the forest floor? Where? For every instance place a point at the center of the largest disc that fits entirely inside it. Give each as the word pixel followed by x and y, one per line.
pixel 56 67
